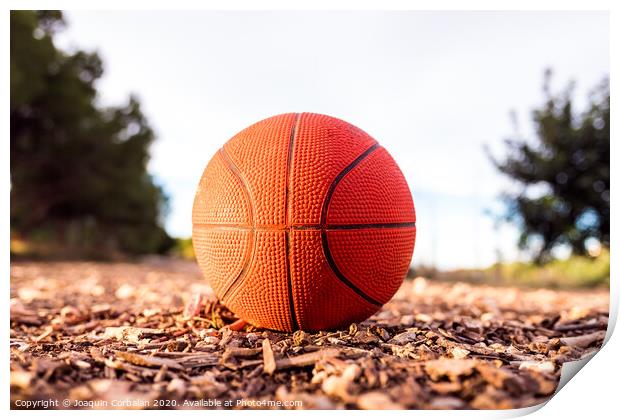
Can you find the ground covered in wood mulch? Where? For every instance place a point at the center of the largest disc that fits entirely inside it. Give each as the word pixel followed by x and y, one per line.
pixel 151 334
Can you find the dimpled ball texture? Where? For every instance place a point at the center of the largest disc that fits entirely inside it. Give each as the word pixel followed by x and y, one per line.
pixel 303 221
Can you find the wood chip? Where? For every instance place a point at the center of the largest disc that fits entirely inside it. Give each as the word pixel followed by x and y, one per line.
pixel 269 362
pixel 97 355
pixel 148 361
pixel 161 374
pixel 459 352
pixel 238 325
pixel 227 334
pixel 81 364
pixel 543 367
pixel 239 352
pixel 404 338
pixel 307 359
pixel 131 334
pixel 583 340
pixel 21 379
pixel 451 368
pixel 195 306
pixel 48 331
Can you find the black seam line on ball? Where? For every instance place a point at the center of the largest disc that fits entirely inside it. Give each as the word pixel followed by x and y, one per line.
pixel 336 181
pixel 353 226
pixel 370 226
pixel 324 241
pixel 342 277
pixel 287 222
pixel 236 283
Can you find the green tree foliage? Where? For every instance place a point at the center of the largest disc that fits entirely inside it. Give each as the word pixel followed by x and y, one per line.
pixel 564 174
pixel 77 169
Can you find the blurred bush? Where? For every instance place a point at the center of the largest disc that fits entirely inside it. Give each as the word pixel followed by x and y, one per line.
pixel 79 181
pixel 576 271
pixel 422 270
pixel 183 248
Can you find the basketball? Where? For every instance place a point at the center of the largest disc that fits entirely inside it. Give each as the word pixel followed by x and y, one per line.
pixel 303 222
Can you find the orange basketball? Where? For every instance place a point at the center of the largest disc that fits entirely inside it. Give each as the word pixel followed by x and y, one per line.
pixel 303 221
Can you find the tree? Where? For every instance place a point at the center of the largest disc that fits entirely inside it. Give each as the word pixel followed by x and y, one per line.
pixel 77 169
pixel 563 174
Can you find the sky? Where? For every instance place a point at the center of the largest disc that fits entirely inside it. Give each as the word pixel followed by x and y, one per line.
pixel 434 88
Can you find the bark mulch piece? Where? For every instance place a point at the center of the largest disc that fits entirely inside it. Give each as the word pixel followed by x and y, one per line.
pixel 154 331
